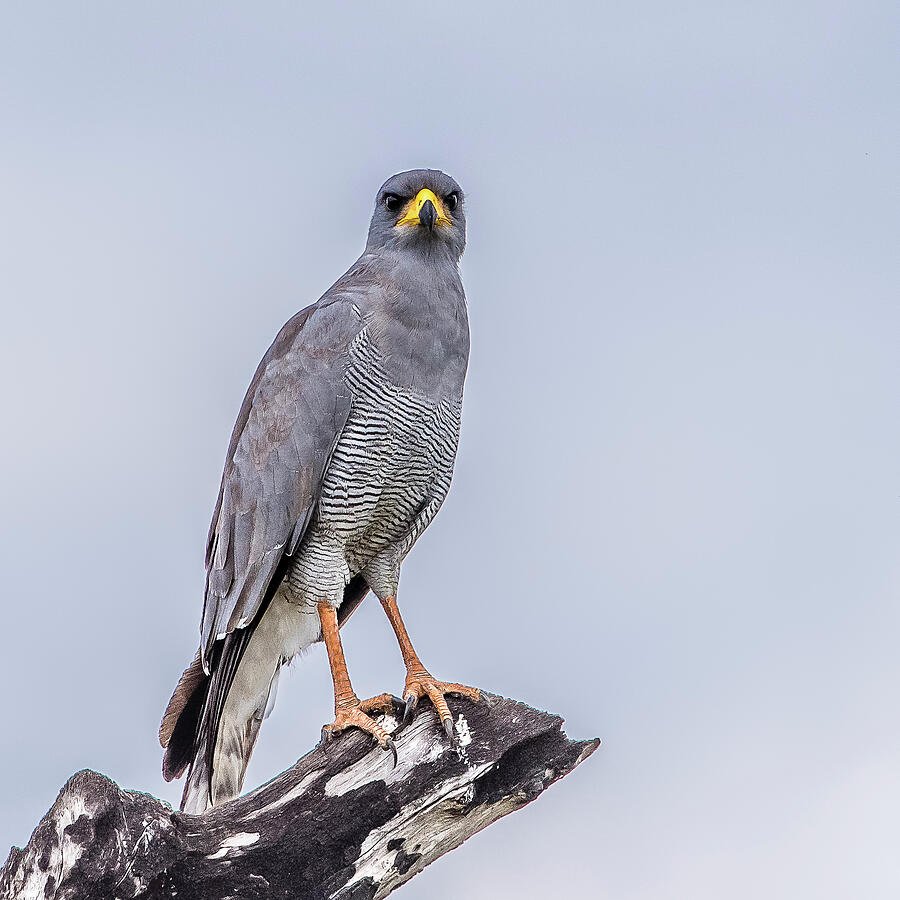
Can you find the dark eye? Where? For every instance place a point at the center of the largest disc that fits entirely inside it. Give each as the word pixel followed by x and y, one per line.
pixel 393 202
pixel 452 201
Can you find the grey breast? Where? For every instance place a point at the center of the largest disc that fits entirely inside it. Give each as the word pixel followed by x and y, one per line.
pixel 390 470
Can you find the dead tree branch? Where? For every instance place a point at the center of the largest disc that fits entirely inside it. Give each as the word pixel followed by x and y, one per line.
pixel 342 823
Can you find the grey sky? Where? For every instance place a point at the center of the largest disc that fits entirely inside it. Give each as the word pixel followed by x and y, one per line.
pixel 675 513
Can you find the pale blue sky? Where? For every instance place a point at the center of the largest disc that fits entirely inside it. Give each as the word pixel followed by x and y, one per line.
pixel 675 514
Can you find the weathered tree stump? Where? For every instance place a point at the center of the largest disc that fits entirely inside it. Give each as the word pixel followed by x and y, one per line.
pixel 342 823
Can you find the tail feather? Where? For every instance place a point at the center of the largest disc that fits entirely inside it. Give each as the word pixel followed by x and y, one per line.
pixel 181 720
pixel 207 724
pixel 212 722
pixel 196 797
pixel 234 747
pixel 224 713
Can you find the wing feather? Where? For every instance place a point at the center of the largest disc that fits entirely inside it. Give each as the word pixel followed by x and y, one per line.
pixel 293 414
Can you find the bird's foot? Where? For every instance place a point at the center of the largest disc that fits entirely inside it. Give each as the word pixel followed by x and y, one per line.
pixel 422 684
pixel 354 714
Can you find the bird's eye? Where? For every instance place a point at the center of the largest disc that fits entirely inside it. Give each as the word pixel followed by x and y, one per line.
pixel 393 202
pixel 452 201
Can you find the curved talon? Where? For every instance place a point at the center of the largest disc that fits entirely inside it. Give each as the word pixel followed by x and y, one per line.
pixel 421 684
pixel 411 702
pixel 393 748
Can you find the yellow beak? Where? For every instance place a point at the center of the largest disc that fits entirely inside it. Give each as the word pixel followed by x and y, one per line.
pixel 426 209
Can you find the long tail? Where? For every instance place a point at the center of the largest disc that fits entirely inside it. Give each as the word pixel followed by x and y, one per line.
pixel 211 724
pixel 212 721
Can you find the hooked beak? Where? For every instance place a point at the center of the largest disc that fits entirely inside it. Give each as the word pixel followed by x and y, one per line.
pixel 426 209
pixel 428 215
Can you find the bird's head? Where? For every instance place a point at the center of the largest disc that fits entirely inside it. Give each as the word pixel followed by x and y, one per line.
pixel 420 210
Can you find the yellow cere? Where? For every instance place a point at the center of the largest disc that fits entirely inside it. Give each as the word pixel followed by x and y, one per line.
pixel 411 214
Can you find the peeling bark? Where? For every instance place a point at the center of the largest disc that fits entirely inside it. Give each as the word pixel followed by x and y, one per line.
pixel 340 824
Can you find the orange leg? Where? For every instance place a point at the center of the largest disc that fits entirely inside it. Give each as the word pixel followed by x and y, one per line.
pixel 349 710
pixel 419 681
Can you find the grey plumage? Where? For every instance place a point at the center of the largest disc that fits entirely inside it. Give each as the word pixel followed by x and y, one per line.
pixel 341 455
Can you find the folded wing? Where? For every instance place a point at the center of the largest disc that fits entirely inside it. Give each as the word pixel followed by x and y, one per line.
pixel 291 418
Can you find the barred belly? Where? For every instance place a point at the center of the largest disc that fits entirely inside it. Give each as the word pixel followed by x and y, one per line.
pixel 388 475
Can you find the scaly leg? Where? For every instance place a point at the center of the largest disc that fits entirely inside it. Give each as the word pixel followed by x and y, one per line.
pixel 349 710
pixel 419 681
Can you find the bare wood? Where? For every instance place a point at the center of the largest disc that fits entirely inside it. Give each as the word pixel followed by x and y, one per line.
pixel 340 824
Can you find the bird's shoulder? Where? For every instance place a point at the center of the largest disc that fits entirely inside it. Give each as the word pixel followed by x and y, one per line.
pixel 309 347
pixel 298 380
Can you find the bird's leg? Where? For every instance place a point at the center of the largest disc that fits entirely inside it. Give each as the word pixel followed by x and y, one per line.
pixel 349 710
pixel 419 681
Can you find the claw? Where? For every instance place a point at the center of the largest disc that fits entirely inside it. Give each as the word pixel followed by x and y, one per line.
pixel 326 736
pixel 393 748
pixel 448 729
pixel 411 701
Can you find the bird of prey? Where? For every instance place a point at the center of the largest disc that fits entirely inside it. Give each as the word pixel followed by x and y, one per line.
pixel 341 456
